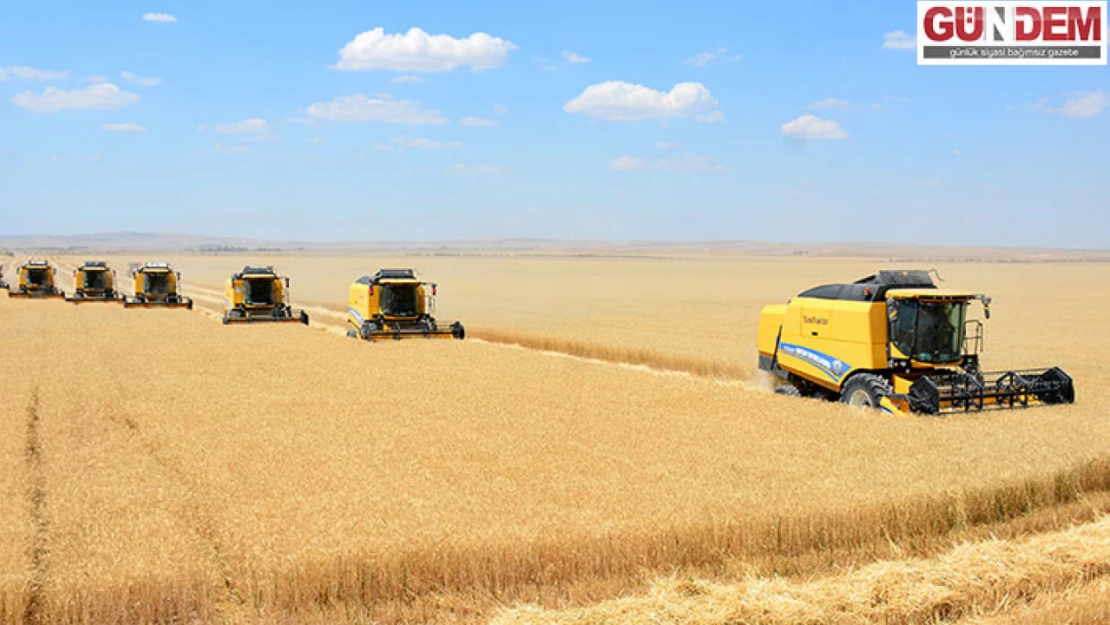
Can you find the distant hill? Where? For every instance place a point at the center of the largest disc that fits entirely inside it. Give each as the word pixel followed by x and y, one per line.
pixel 128 242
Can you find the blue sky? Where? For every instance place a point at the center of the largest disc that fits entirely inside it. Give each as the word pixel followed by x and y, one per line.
pixel 798 121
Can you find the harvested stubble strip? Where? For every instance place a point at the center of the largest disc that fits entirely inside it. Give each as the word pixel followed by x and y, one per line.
pixel 121 542
pixel 973 578
pixel 18 472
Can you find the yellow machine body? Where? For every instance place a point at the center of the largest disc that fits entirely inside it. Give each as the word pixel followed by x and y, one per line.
pixel 896 342
pixel 35 279
pixel 156 285
pixel 94 281
pixel 395 304
pixel 259 294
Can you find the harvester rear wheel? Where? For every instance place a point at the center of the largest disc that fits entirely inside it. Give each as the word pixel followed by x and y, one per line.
pixel 789 390
pixel 865 390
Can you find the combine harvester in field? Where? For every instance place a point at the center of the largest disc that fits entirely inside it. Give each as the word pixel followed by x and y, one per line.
pixel 94 281
pixel 395 304
pixel 259 294
pixel 156 286
pixel 896 342
pixel 35 279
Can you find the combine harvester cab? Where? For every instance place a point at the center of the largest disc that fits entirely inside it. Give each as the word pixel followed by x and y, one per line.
pixel 94 281
pixel 258 294
pixel 395 304
pixel 896 342
pixel 35 279
pixel 157 285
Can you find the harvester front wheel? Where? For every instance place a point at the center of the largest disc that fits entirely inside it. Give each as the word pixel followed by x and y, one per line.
pixel 789 390
pixel 865 390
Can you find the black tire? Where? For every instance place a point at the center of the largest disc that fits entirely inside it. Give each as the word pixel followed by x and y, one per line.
pixel 865 390
pixel 789 390
pixel 458 331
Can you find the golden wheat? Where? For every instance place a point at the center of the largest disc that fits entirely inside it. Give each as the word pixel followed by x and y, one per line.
pixel 193 470
pixel 970 579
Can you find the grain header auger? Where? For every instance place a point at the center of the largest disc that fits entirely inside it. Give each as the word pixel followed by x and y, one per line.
pixel 3 285
pixel 157 285
pixel 896 342
pixel 94 281
pixel 259 294
pixel 36 279
pixel 395 304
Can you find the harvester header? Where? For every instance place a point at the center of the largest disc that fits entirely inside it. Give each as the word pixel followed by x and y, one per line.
pixel 396 304
pixel 895 341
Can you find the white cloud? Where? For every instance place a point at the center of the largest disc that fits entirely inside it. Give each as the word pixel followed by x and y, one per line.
pixel 420 143
pixel 487 170
pixel 406 78
pixel 621 101
pixel 813 127
pixel 378 146
pixel 1080 104
pixel 477 122
pixel 255 128
pixel 29 73
pixel 899 40
pixel 831 103
pixel 98 96
pixel 417 51
pixel 686 164
pixel 140 80
pixel 957 153
pixel 711 117
pixel 162 18
pixel 703 58
pixel 897 99
pixel 666 145
pixel 500 109
pixel 124 127
pixel 924 182
pixel 359 108
pixel 544 64
pixel 626 163
pixel 220 148
pixel 573 58
pixel 315 140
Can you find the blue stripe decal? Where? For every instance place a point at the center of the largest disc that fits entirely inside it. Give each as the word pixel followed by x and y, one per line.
pixel 828 365
pixel 355 313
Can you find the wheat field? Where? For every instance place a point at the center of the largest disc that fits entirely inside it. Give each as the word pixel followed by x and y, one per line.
pixel 607 431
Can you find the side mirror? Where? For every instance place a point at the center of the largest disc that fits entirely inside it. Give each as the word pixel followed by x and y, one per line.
pixel 434 285
pixel 287 283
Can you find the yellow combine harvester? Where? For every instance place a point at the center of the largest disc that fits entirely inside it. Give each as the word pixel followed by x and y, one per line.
pixel 93 281
pixel 395 304
pixel 35 279
pixel 896 342
pixel 259 294
pixel 156 286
